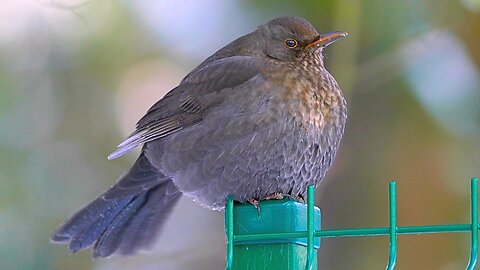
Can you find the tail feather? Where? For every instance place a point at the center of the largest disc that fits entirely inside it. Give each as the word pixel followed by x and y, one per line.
pixel 156 211
pixel 141 177
pixel 124 222
pixel 85 238
pixel 136 231
pixel 85 217
pixel 110 239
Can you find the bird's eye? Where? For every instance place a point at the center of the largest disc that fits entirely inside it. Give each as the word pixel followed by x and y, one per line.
pixel 291 43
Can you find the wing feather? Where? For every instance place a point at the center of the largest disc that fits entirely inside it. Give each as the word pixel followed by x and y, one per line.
pixel 186 104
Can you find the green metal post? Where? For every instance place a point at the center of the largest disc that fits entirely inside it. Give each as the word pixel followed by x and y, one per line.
pixel 474 224
pixel 229 232
pixel 392 195
pixel 310 227
pixel 277 218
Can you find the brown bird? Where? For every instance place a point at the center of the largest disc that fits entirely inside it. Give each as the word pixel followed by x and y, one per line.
pixel 260 118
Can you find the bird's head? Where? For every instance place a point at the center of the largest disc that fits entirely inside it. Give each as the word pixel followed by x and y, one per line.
pixel 291 38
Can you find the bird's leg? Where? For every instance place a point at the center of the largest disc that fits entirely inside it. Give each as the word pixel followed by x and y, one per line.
pixel 256 204
pixel 279 196
pixel 300 198
pixel 274 196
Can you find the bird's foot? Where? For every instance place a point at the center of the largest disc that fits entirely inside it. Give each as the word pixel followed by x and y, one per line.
pixel 274 196
pixel 279 196
pixel 256 204
pixel 300 198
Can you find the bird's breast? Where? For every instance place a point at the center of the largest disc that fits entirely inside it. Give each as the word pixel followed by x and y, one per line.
pixel 313 97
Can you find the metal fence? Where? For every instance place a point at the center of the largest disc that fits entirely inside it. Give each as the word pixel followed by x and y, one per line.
pixel 392 231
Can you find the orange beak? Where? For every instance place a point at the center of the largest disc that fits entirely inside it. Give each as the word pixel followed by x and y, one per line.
pixel 326 39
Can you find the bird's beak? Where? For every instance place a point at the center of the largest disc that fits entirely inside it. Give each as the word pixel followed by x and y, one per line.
pixel 326 39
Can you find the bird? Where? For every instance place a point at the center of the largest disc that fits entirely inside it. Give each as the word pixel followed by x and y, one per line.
pixel 261 118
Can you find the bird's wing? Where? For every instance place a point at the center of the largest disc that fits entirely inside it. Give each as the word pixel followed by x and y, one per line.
pixel 185 105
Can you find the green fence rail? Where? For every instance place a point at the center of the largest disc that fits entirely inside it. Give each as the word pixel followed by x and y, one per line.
pixel 392 231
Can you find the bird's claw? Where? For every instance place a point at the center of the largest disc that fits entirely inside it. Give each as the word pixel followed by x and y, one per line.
pixel 279 196
pixel 300 198
pixel 274 196
pixel 256 204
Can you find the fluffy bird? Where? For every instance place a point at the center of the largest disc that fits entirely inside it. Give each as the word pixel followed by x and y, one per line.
pixel 261 118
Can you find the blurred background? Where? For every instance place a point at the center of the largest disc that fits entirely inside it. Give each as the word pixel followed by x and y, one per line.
pixel 75 76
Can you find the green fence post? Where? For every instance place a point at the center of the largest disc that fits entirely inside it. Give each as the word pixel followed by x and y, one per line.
pixel 392 231
pixel 229 232
pixel 473 224
pixel 270 247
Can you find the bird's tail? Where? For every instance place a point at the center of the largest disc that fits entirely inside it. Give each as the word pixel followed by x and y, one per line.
pixel 126 217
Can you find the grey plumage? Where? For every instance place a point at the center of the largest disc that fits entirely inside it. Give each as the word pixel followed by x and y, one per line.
pixel 142 198
pixel 254 119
